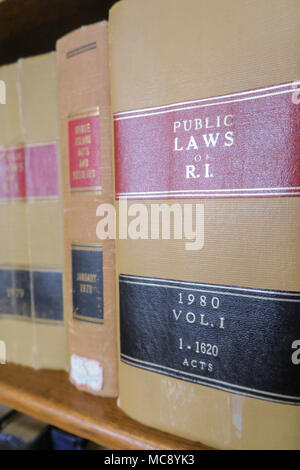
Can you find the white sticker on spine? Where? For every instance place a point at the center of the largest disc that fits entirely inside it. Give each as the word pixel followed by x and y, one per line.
pixel 87 373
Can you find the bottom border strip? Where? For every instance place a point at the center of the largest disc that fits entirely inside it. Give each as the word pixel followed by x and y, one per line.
pixel 201 381
pixel 97 321
pixel 29 319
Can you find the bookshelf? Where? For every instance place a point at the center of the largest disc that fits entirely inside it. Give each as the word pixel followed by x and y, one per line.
pixel 50 397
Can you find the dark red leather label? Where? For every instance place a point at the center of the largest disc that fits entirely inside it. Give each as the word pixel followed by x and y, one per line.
pixel 239 145
pixel 41 171
pixel 29 171
pixel 84 151
pixel 12 173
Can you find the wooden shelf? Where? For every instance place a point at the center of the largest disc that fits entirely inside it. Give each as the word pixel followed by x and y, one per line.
pixel 50 397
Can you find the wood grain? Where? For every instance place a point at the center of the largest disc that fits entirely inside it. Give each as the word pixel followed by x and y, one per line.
pixel 49 396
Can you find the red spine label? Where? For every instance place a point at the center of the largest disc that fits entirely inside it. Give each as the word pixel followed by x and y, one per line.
pixel 239 145
pixel 41 171
pixel 84 151
pixel 12 173
pixel 30 171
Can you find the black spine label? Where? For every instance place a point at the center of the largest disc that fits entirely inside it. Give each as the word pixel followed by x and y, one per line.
pixel 237 339
pixel 87 278
pixel 36 295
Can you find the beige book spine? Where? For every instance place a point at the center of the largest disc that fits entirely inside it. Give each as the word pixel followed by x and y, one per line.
pixel 168 52
pixel 16 329
pixel 39 117
pixel 84 104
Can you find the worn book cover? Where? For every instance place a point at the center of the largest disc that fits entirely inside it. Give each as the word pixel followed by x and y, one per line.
pixel 206 118
pixel 37 81
pixel 31 270
pixel 84 104
pixel 15 297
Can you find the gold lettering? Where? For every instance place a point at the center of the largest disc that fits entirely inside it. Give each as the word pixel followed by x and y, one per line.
pixel 86 288
pixel 83 128
pixel 83 140
pixel 86 277
pixel 15 292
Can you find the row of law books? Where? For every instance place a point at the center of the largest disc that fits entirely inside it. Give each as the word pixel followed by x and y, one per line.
pixel 187 110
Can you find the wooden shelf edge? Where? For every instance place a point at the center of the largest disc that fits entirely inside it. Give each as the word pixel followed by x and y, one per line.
pixel 50 397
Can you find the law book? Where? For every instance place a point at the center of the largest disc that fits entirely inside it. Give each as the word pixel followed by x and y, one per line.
pixel 15 303
pixel 5 251
pixel 37 83
pixel 86 140
pixel 31 258
pixel 205 103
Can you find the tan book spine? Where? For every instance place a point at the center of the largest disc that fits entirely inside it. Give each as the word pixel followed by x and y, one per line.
pixel 173 58
pixel 43 195
pixel 5 245
pixel 16 326
pixel 5 251
pixel 84 103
